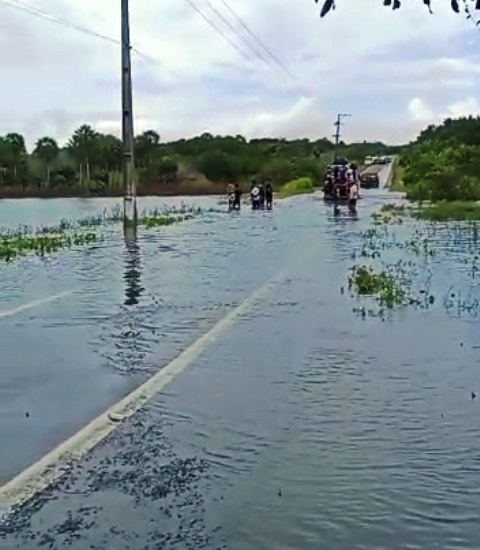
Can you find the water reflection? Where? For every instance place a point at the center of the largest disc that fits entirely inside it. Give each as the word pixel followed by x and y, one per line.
pixel 132 276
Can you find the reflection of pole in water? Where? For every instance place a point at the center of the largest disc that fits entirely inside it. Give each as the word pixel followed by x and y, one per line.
pixel 133 287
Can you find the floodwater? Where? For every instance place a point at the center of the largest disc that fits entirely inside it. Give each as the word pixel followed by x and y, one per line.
pixel 305 425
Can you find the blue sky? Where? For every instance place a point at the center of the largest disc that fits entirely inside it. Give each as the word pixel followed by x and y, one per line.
pixel 396 72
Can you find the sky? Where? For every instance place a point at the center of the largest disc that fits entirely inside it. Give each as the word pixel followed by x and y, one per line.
pixel 394 72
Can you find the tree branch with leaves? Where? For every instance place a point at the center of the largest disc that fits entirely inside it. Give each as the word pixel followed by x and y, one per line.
pixel 469 6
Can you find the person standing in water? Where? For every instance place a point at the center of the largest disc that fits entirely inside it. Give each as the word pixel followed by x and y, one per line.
pixel 261 188
pixel 353 196
pixel 230 195
pixel 237 197
pixel 268 195
pixel 255 196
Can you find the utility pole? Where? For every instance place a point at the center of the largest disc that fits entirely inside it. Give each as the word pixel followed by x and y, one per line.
pixel 338 123
pixel 129 184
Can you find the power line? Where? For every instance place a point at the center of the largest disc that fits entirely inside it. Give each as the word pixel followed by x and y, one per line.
pixel 217 29
pixel 15 4
pixel 257 39
pixel 64 22
pixel 234 30
pixel 248 44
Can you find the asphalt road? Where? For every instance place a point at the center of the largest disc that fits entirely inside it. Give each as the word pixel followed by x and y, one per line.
pixel 294 424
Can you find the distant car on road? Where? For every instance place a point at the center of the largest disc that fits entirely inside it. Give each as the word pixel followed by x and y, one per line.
pixel 369 180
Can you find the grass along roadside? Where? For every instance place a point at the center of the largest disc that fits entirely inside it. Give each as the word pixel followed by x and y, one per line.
pixel 449 211
pixel 300 186
pixel 444 211
pixel 398 172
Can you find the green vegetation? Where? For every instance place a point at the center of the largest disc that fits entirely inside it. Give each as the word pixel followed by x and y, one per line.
pixel 89 164
pixel 391 213
pixel 297 187
pixel 443 164
pixel 441 170
pixel 165 217
pixel 449 211
pixel 382 285
pixel 46 240
pixel 42 243
pixel 398 173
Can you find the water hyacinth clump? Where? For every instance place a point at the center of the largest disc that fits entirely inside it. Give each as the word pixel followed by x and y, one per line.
pixel 412 263
pixel 41 243
pixel 366 282
pixel 168 216
pixel 391 213
pixel 48 239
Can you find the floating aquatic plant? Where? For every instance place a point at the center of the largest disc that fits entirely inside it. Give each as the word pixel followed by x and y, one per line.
pixel 41 243
pixel 366 282
pixel 391 213
pixel 45 240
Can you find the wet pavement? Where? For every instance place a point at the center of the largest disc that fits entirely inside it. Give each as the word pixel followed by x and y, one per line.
pixel 304 426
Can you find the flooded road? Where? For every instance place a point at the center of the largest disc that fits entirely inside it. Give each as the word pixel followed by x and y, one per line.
pixel 303 425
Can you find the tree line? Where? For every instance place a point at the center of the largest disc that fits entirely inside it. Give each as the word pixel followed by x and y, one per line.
pixel 443 164
pixel 91 162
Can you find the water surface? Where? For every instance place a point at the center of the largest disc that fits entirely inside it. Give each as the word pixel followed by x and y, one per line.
pixel 304 426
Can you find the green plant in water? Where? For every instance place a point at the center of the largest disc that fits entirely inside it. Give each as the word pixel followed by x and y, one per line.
pixel 168 216
pixel 391 213
pixel 382 285
pixel 46 240
pixel 41 243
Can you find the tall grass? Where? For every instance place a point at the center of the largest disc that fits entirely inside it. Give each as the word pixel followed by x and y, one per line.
pixel 398 173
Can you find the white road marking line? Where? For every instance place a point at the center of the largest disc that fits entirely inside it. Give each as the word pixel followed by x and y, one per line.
pixel 35 303
pixel 49 468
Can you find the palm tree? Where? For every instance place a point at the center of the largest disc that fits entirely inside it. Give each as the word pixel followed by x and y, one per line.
pixel 146 145
pixel 111 148
pixel 84 147
pixel 47 149
pixel 111 153
pixel 18 150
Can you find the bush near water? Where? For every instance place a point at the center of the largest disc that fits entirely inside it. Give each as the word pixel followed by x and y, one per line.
pixel 297 187
pixel 442 169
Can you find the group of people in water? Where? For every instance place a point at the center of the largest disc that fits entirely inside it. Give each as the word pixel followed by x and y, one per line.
pixel 341 183
pixel 261 195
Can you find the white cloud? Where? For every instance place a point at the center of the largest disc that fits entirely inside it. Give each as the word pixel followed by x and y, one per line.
pixel 420 111
pixel 362 58
pixel 466 107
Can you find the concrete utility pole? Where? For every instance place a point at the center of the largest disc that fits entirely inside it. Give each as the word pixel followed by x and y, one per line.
pixel 129 184
pixel 338 123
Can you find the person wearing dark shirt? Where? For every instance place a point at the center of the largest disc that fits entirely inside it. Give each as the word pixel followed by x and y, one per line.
pixel 261 199
pixel 237 197
pixel 269 195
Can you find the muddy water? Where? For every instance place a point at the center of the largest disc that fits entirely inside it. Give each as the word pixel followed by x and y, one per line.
pixel 305 426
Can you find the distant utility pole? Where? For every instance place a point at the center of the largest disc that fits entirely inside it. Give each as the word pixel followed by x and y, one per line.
pixel 129 185
pixel 338 123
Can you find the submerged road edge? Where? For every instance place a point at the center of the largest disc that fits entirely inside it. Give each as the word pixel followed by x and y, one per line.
pixel 35 303
pixel 57 462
